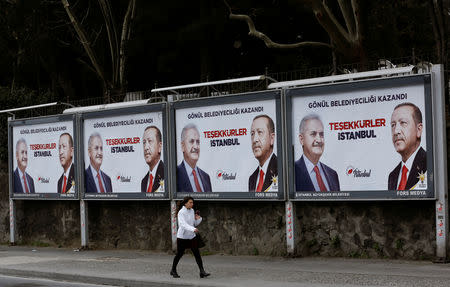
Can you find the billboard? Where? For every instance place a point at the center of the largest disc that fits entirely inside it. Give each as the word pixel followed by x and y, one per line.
pixel 228 147
pixel 124 153
pixel 42 156
pixel 364 140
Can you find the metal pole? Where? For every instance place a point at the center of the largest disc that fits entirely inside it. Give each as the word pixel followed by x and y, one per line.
pixel 173 224
pixel 84 220
pixel 440 162
pixel 290 228
pixel 12 204
pixel 12 222
pixel 84 224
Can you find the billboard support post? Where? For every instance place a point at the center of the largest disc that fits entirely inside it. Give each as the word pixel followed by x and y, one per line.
pixel 440 163
pixel 12 222
pixel 173 223
pixel 84 224
pixel 12 204
pixel 290 228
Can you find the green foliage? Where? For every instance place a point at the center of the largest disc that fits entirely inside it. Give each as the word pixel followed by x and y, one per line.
pixel 206 253
pixel 336 241
pixel 311 243
pixel 399 244
pixel 354 254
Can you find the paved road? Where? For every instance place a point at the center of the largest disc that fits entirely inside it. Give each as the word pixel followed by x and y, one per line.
pixel 143 268
pixel 9 281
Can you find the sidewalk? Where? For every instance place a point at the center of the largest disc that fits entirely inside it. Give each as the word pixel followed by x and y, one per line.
pixel 144 268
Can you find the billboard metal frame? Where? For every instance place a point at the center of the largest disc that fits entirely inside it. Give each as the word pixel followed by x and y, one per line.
pixel 229 99
pixel 35 121
pixel 147 108
pixel 331 89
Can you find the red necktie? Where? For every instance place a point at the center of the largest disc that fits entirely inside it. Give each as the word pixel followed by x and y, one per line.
pixel 261 181
pixel 25 184
pixel 319 179
pixel 197 184
pixel 64 185
pixel 402 184
pixel 102 190
pixel 149 189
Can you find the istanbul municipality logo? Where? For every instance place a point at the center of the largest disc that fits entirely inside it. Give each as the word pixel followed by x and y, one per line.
pixel 222 175
pixel 356 172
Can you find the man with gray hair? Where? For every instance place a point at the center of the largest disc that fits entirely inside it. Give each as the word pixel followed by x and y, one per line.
pixel 96 181
pixel 23 182
pixel 310 173
pixel 190 178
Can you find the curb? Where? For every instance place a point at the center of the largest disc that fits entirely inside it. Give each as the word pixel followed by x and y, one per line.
pixel 77 278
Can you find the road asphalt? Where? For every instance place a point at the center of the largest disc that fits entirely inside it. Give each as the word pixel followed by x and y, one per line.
pixel 146 268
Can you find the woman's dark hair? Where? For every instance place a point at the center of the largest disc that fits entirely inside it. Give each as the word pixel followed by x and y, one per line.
pixel 183 202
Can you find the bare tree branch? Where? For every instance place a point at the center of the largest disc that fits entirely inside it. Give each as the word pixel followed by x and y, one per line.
pixel 269 43
pixel 85 42
pixel 357 19
pixel 112 36
pixel 347 13
pixel 126 34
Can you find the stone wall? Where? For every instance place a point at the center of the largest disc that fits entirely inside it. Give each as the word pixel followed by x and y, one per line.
pixel 396 229
pixel 400 229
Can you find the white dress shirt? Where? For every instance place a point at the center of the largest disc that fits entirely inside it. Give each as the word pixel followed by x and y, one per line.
pixel 312 174
pixel 94 175
pixel 187 223
pixel 408 165
pixel 21 174
pixel 66 174
pixel 264 169
pixel 191 177
pixel 153 173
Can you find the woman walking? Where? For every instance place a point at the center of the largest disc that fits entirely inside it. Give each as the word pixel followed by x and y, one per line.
pixel 186 236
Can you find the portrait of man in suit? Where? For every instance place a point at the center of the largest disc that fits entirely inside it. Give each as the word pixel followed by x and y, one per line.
pixel 310 173
pixel 153 181
pixel 406 128
pixel 66 182
pixel 23 182
pixel 262 134
pixel 96 181
pixel 190 178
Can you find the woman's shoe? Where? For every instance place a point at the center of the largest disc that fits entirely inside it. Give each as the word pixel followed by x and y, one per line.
pixel 175 274
pixel 203 274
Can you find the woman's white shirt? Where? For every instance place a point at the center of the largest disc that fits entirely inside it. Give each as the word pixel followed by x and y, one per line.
pixel 187 223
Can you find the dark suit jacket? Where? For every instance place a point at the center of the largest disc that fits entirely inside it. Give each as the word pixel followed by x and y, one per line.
pixel 303 181
pixel 159 175
pixel 419 166
pixel 183 183
pixel 272 170
pixel 69 180
pixel 90 183
pixel 18 182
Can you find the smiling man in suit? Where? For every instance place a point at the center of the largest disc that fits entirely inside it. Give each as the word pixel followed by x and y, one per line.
pixel 310 173
pixel 23 182
pixel 262 134
pixel 96 181
pixel 153 181
pixel 66 182
pixel 406 128
pixel 190 178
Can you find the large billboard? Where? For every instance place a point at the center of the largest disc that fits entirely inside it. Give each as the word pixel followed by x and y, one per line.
pixel 364 140
pixel 42 156
pixel 124 153
pixel 228 147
